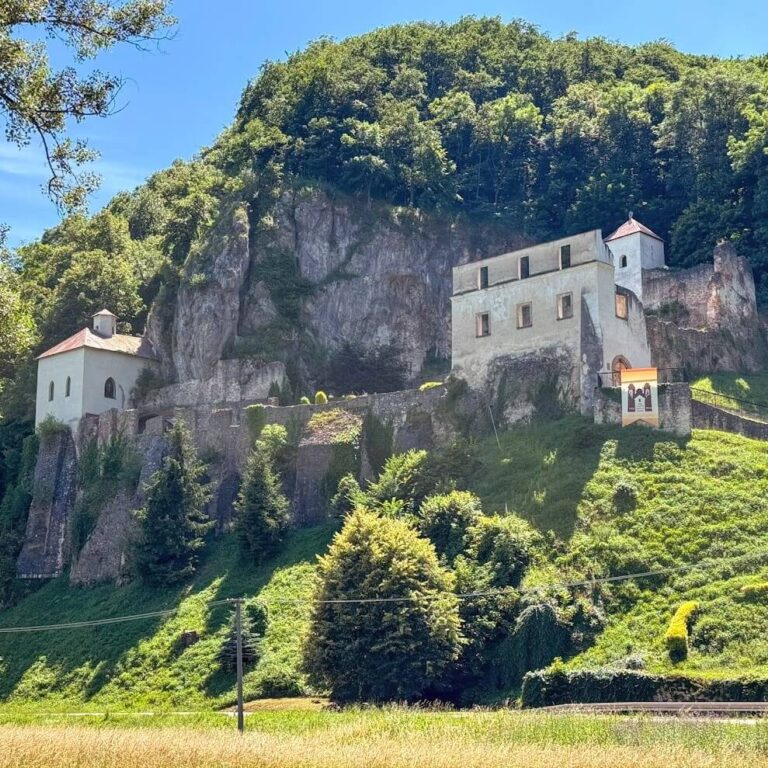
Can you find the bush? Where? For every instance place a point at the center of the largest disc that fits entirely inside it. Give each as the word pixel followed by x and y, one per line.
pixel 348 495
pixel 403 479
pixel 320 398
pixel 556 685
pixel 255 419
pixel 261 509
pixel 380 651
pixel 430 385
pixel 505 544
pixel 304 400
pixel 758 591
pixel 676 636
pixel 50 428
pixel 624 496
pixel 445 519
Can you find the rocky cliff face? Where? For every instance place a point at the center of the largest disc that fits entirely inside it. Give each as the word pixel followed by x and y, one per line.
pixel 370 276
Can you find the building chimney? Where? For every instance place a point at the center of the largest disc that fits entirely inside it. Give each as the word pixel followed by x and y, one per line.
pixel 105 323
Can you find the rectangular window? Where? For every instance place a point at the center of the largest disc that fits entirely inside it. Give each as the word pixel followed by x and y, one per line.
pixel 524 267
pixel 564 306
pixel 524 315
pixel 483 324
pixel 622 309
pixel 565 256
pixel 482 277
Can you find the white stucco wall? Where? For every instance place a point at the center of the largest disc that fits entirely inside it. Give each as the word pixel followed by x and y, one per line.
pixel 585 247
pixel 56 369
pixel 642 252
pixel 99 366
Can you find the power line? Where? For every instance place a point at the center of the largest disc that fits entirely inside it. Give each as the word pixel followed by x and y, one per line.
pixel 501 592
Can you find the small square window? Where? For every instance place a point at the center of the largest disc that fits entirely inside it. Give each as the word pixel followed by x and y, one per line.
pixel 524 315
pixel 565 256
pixel 622 307
pixel 482 277
pixel 564 306
pixel 524 267
pixel 483 324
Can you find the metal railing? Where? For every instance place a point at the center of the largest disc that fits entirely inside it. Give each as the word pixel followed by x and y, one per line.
pixel 665 376
pixel 748 409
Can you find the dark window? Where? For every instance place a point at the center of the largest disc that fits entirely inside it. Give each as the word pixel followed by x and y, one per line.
pixel 564 306
pixel 68 388
pixel 109 388
pixel 565 256
pixel 483 327
pixel 524 316
pixel 622 309
pixel 525 267
pixel 50 391
pixel 623 261
pixel 483 277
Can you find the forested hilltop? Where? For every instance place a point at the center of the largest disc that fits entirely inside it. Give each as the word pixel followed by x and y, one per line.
pixel 478 120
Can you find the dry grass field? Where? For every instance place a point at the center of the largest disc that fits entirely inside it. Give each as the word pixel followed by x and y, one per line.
pixel 388 738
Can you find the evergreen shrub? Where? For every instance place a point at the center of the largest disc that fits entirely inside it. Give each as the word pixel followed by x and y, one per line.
pixel 320 398
pixel 376 651
pixel 676 636
pixel 255 419
pixel 757 591
pixel 555 685
pixel 445 519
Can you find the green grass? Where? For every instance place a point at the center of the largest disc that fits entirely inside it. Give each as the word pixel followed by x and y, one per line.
pixel 140 665
pixel 739 391
pixel 698 501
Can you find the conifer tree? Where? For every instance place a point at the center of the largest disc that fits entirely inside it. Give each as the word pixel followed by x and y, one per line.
pixel 380 651
pixel 173 520
pixel 254 625
pixel 261 508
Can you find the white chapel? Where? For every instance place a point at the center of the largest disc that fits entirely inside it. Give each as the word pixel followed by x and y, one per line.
pixel 91 372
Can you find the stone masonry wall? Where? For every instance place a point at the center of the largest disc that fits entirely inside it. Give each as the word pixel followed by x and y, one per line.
pixel 674 408
pixel 706 416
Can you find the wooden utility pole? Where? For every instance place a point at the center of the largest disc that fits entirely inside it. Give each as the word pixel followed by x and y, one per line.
pixel 239 632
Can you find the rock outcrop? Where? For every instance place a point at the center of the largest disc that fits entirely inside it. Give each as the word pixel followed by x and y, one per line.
pixel 705 318
pixel 47 541
pixel 372 276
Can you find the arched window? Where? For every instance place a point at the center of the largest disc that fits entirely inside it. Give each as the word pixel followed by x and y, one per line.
pixel 50 391
pixel 623 261
pixel 68 387
pixel 109 388
pixel 619 364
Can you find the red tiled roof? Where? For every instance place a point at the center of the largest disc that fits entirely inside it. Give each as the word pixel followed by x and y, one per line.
pixel 137 346
pixel 631 227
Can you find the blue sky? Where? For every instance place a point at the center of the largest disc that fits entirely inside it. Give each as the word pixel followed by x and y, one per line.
pixel 178 98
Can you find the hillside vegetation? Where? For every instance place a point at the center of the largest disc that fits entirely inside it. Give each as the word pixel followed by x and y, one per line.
pixel 608 501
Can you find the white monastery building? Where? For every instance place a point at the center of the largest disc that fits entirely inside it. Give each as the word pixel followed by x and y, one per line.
pixel 90 372
pixel 580 295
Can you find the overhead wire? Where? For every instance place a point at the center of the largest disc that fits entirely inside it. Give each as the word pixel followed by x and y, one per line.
pixel 499 592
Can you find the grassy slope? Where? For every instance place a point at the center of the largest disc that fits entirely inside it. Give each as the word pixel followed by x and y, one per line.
pixel 141 664
pixel 697 499
pixel 749 387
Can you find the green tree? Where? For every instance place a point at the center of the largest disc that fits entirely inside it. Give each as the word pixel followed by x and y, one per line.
pixel 253 625
pixel 173 522
pixel 37 100
pixel 261 509
pixel 381 651
pixel 445 519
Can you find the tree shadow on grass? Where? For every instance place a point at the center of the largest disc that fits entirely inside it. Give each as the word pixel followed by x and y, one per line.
pixel 76 664
pixel 541 469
